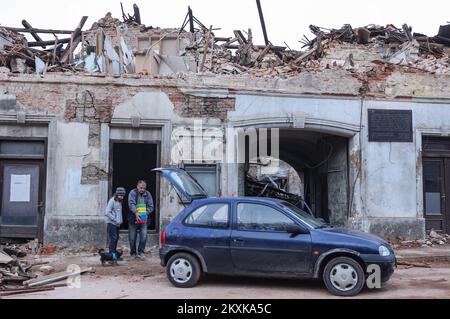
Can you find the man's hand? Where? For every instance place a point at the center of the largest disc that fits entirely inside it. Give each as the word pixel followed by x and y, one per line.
pixel 138 219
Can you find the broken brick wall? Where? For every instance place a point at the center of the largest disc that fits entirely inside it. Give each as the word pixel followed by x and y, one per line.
pixel 93 104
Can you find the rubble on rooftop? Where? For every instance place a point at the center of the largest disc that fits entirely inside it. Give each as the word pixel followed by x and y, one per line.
pixel 115 47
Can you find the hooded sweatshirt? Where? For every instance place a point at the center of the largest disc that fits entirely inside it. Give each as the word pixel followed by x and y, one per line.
pixel 113 212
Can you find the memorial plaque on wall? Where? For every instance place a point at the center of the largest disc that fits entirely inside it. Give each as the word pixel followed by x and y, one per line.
pixel 390 126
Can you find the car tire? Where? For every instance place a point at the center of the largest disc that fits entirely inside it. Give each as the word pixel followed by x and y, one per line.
pixel 183 270
pixel 344 277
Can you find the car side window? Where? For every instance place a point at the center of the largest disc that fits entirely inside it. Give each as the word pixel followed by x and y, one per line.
pixel 255 217
pixel 210 216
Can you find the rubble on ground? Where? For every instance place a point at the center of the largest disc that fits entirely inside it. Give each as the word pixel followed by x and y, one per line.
pixel 23 271
pixel 433 239
pixel 111 47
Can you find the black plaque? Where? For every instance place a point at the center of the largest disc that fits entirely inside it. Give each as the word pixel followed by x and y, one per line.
pixel 391 126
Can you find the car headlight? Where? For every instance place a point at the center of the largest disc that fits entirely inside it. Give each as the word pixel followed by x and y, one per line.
pixel 384 251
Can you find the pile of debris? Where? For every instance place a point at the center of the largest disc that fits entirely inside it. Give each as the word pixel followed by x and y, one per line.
pixel 19 275
pixel 396 47
pixel 400 46
pixel 17 55
pixel 433 239
pixel 116 47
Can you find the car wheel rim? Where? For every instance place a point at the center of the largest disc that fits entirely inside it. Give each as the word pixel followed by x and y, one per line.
pixel 181 270
pixel 344 277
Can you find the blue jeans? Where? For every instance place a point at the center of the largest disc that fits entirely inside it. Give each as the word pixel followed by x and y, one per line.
pixel 113 234
pixel 133 231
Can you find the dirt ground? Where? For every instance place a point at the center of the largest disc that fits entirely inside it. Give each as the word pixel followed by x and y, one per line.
pixel 135 279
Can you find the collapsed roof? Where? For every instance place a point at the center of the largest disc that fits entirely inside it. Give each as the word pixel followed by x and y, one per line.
pixel 116 47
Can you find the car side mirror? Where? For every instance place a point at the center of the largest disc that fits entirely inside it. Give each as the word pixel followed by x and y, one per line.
pixel 296 230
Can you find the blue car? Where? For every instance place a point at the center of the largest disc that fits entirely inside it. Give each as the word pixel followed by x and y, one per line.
pixel 266 238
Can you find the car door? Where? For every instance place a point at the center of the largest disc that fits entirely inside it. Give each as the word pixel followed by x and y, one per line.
pixel 260 243
pixel 207 229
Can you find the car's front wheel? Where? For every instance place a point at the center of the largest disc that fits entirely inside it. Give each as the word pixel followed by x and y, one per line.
pixel 344 277
pixel 183 270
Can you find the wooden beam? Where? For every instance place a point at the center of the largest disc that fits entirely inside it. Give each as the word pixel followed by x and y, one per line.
pixel 263 23
pixel 33 34
pixel 263 53
pixel 45 43
pixel 259 47
pixel 74 41
pixel 240 37
pixel 137 14
pixel 191 20
pixel 35 30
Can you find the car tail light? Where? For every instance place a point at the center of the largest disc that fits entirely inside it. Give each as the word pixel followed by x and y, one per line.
pixel 163 238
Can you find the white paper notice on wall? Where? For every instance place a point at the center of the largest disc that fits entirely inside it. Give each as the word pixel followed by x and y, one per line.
pixel 20 189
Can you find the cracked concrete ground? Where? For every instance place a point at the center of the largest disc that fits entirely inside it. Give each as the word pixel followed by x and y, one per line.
pixel 146 280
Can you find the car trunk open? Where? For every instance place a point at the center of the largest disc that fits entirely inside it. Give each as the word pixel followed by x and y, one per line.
pixel 187 186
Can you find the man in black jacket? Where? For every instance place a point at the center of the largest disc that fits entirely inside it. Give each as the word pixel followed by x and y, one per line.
pixel 140 202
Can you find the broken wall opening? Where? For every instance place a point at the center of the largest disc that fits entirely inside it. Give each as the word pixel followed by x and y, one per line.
pixel 320 163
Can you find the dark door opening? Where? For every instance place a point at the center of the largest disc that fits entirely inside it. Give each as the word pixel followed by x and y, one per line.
pixel 436 183
pixel 132 162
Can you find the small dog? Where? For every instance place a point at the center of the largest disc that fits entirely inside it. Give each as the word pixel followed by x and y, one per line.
pixel 110 258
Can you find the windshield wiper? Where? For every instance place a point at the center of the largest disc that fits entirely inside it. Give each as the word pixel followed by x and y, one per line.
pixel 325 226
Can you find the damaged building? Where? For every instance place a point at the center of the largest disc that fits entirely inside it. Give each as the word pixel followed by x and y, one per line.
pixel 362 117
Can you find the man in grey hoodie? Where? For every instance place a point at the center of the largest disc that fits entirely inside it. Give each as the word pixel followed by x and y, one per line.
pixel 114 218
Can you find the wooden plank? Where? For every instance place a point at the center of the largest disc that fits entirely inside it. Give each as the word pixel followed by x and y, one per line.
pixel 311 52
pixel 74 41
pixel 263 53
pixel 55 278
pixel 240 37
pixel 25 291
pixel 205 49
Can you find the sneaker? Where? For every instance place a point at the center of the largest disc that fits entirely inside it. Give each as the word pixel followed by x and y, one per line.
pixel 141 256
pixel 133 256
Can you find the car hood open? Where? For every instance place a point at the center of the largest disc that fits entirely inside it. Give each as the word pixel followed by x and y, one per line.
pixel 188 188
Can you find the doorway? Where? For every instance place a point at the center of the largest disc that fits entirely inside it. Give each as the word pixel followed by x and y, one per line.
pixel 22 180
pixel 321 159
pixel 132 162
pixel 436 184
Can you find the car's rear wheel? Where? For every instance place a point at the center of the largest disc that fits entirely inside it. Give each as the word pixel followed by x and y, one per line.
pixel 183 270
pixel 344 276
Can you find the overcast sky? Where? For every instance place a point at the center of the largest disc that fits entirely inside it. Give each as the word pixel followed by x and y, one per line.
pixel 287 20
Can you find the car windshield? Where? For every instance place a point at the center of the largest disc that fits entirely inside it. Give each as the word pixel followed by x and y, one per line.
pixel 304 216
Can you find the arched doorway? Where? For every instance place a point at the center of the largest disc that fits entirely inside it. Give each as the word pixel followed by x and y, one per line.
pixel 320 160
